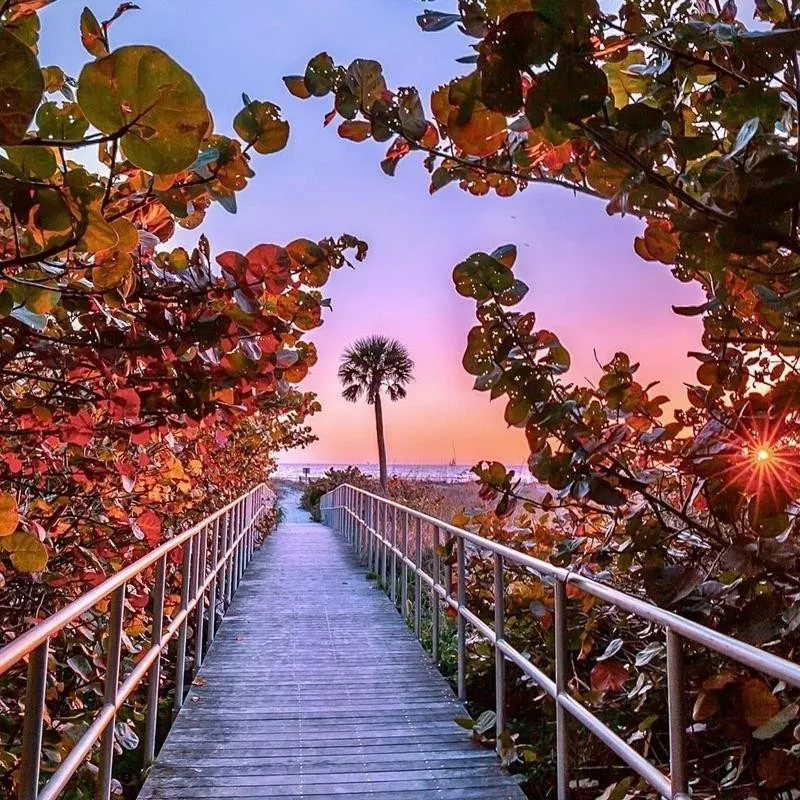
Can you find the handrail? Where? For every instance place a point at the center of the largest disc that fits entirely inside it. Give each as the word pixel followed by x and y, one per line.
pixel 364 519
pixel 211 569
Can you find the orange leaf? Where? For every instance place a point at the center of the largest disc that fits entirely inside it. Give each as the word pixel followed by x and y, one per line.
pixel 609 676
pixel 355 130
pixel 9 515
pixel 759 703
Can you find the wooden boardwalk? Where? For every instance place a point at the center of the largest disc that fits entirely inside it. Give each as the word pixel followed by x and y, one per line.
pixel 316 688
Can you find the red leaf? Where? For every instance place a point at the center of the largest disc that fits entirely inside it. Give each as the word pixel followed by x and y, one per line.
pixel 149 525
pixel 125 404
pixel 272 265
pixel 79 430
pixel 609 676
pixel 233 263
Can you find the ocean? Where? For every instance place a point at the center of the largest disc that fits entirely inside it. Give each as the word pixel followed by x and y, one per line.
pixel 443 473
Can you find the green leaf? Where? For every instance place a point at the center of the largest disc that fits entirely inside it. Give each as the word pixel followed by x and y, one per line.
pixel 61 122
pixel 752 101
pixel 481 276
pixel 141 93
pixel 319 75
pixel 365 80
pixel 34 162
pixel 21 87
pixel 260 125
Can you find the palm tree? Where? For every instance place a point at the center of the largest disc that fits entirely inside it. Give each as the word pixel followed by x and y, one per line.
pixel 369 366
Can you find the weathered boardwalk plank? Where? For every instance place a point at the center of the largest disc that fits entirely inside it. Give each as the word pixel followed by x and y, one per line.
pixel 316 688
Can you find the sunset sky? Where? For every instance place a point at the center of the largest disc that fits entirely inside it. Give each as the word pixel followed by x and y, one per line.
pixel 587 284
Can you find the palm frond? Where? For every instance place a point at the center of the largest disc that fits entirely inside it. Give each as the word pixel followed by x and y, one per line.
pixel 373 363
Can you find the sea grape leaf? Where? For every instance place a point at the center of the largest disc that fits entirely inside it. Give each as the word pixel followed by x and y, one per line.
pixel 365 80
pixel 319 75
pixel 297 86
pixel 480 276
pixel 260 125
pixel 21 87
pixel 9 515
pixel 65 121
pixel 28 554
pixel 92 34
pixel 144 94
pixel 759 703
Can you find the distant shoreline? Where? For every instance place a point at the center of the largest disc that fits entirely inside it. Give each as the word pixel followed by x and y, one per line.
pixel 444 473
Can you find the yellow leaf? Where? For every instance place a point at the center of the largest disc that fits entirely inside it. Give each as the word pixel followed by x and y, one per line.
pixel 9 515
pixel 99 235
pixel 112 270
pixel 28 554
pixel 128 235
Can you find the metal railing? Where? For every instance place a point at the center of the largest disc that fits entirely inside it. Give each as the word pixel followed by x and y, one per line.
pixel 379 530
pixel 213 556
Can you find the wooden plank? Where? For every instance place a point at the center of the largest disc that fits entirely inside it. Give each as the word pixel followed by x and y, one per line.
pixel 315 688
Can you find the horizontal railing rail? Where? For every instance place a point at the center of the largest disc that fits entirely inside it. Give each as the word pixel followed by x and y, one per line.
pixel 213 556
pixel 379 530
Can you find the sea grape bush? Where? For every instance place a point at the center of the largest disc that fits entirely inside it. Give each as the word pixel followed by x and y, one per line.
pixel 685 116
pixel 143 385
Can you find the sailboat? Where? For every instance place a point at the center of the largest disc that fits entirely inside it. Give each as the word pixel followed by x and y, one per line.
pixel 453 462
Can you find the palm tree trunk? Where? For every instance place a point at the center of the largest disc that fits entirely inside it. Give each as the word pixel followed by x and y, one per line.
pixel 381 440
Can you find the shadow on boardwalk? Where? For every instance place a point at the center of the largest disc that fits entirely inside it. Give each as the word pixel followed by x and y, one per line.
pixel 315 687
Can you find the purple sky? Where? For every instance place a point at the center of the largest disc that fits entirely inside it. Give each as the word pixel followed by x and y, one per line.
pixel 587 284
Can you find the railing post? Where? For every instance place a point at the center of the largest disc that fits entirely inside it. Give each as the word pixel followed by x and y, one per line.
pixel 404 571
pixel 223 573
pixel 418 578
pixel 212 589
pixel 435 605
pixel 153 687
pixel 462 623
pixel 237 566
pixel 393 592
pixel 499 658
pixel 200 596
pixel 180 656
pixel 362 526
pixel 677 719
pixel 240 548
pixel 113 654
pixel 562 718
pixel 350 515
pixel 384 540
pixel 35 693
pixel 370 532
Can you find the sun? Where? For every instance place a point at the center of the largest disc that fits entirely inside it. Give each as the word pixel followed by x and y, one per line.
pixel 762 454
